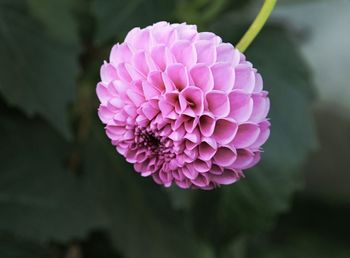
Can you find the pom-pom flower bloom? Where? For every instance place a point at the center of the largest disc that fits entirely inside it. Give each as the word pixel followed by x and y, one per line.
pixel 183 106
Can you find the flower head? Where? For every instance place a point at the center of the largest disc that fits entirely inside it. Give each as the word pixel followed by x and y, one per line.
pixel 183 106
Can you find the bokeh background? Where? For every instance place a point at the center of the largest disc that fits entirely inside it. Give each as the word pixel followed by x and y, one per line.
pixel 65 193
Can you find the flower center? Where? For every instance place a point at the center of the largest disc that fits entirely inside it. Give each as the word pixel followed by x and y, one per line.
pixel 154 144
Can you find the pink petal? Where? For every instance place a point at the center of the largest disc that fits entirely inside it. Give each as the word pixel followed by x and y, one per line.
pixel 191 124
pixel 159 56
pixel 131 34
pixel 245 78
pixel 207 149
pixel 178 122
pixel 189 172
pixel 149 90
pixel 193 137
pixel 114 108
pixel 202 166
pixel 263 136
pixel 226 178
pixel 166 178
pixel 227 53
pixel 166 131
pixel 141 156
pixel 189 147
pixel 207 125
pixel 261 106
pixel 202 180
pixel 191 151
pixel 120 54
pixel 210 37
pixel 178 134
pixel 202 77
pixel 173 99
pixel 225 130
pixel 256 160
pixel 120 117
pixel 115 132
pixel 225 156
pixel 246 135
pixel 241 105
pixel 178 175
pixel 178 75
pixel 189 112
pixel 244 159
pixel 142 121
pixel 108 73
pixel 163 34
pixel 136 98
pixel 117 103
pixel 224 76
pixel 140 63
pixel 192 98
pixel 216 170
pixel 218 103
pixel 206 52
pixel 105 114
pixel 184 53
pixel 155 78
pixel 102 93
pixel 184 32
pixel 121 87
pixel 123 73
pixel 168 83
pixel 141 40
pixel 149 111
pixel 130 155
pixel 134 73
pixel 184 184
pixel 258 83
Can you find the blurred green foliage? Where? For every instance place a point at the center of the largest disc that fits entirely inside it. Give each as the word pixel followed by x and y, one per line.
pixel 64 192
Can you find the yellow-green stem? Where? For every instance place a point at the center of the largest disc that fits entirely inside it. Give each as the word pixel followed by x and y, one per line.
pixel 257 25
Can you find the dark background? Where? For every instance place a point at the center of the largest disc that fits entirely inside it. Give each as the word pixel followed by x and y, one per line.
pixel 65 193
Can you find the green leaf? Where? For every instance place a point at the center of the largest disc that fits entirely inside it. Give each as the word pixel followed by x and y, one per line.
pixel 40 198
pixel 37 71
pixel 307 245
pixel 266 191
pixel 204 12
pixel 332 156
pixel 140 219
pixel 312 229
pixel 20 248
pixel 115 18
pixel 57 17
pixel 252 204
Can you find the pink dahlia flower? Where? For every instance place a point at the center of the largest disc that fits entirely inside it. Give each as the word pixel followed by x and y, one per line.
pixel 183 106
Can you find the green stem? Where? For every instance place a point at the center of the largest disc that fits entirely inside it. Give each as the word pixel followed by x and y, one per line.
pixel 257 25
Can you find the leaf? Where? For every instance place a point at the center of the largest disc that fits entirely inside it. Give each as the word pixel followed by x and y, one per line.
pixel 57 16
pixel 312 229
pixel 307 245
pixel 140 219
pixel 40 198
pixel 19 248
pixel 252 204
pixel 332 156
pixel 37 71
pixel 115 18
pixel 266 191
pixel 204 12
